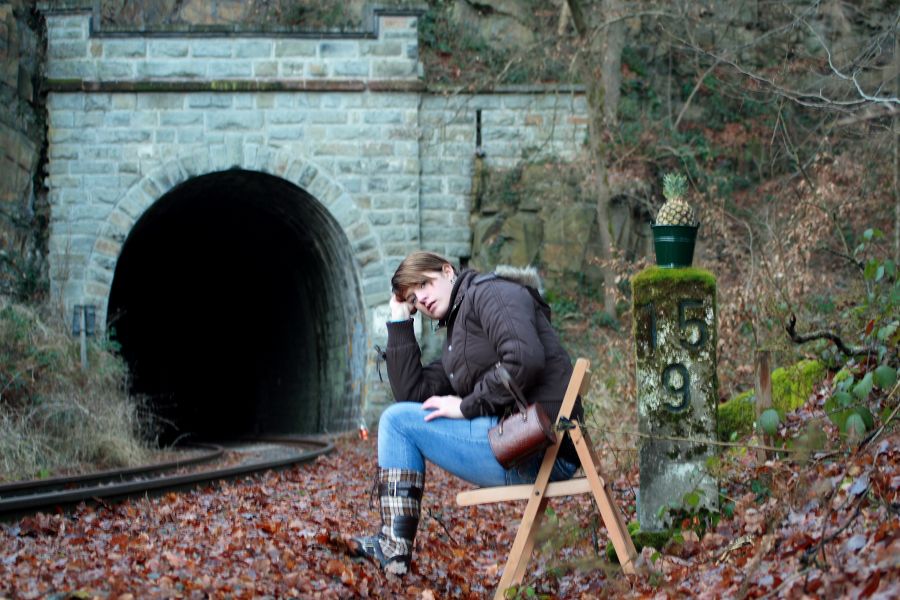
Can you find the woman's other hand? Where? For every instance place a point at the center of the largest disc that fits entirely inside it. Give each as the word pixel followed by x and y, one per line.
pixel 443 406
pixel 401 309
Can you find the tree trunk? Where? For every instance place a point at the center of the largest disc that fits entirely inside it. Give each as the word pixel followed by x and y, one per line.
pixel 895 126
pixel 614 42
pixel 763 396
pixel 601 50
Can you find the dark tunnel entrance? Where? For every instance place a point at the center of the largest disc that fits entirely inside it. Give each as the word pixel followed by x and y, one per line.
pixel 237 309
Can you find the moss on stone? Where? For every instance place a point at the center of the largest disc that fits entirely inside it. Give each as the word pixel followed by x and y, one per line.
pixel 737 414
pixel 654 275
pixel 791 387
pixel 641 539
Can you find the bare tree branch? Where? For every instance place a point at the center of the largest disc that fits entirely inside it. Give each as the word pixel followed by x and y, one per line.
pixel 565 14
pixel 868 115
pixel 812 99
pixel 690 97
pixel 853 77
pixel 798 338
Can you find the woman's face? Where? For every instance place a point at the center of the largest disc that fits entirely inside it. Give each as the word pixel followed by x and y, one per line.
pixel 432 296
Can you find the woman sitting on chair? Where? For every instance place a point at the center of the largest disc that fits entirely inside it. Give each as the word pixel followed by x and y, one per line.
pixel 445 408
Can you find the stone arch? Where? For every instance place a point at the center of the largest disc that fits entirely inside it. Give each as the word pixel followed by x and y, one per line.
pixel 308 383
pixel 280 162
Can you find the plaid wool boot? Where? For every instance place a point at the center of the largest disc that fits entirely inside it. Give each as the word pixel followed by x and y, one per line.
pixel 400 493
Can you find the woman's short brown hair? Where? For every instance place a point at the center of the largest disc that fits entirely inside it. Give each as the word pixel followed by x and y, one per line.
pixel 411 271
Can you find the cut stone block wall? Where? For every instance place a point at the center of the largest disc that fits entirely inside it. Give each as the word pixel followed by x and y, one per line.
pixel 348 120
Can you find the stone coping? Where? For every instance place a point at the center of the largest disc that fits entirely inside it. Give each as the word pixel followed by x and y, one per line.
pixel 234 85
pixel 293 85
pixel 536 88
pixel 98 29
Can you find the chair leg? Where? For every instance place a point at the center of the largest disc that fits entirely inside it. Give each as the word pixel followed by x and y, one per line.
pixel 609 512
pixel 629 544
pixel 520 553
pixel 519 574
pixel 514 571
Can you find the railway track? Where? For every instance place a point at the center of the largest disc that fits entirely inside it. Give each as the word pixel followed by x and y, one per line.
pixel 206 464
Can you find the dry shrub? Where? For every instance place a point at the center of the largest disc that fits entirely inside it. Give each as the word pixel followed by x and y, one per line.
pixel 55 417
pixel 611 404
pixel 779 248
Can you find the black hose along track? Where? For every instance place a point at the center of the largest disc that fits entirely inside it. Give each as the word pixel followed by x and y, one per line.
pixel 25 497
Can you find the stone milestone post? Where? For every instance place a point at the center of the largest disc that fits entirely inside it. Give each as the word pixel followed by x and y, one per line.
pixel 675 347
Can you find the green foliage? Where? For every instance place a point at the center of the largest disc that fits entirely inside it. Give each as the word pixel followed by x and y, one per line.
pixel 791 387
pixel 458 54
pixel 768 421
pixel 885 377
pixel 690 515
pixel 561 306
pixel 852 397
pixel 433 29
pixel 876 313
pixel 22 277
pixel 855 426
pixel 863 381
pixel 319 15
pixel 864 387
pixel 641 539
pixel 523 592
pixel 674 186
pixel 841 406
pixel 761 489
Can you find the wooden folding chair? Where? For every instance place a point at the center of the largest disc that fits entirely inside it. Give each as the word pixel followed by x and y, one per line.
pixel 538 493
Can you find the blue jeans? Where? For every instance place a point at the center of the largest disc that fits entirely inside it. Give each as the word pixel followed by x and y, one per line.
pixel 460 446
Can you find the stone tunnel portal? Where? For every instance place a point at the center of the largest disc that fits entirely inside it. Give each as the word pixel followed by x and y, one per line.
pixel 237 310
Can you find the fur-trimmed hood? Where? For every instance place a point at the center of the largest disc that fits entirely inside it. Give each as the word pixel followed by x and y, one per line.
pixel 524 275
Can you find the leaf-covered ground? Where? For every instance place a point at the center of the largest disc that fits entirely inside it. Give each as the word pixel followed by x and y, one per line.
pixel 827 528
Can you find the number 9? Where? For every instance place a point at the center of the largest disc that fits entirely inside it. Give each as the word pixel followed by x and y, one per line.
pixel 670 378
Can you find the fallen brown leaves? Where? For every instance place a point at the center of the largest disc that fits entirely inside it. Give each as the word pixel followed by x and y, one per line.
pixel 823 530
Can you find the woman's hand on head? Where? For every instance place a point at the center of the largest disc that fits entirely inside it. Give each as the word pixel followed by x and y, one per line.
pixel 400 309
pixel 443 406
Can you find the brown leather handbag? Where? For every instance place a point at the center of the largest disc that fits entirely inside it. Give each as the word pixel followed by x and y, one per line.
pixel 522 434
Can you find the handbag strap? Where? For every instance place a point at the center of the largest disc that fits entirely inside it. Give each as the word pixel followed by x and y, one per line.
pixel 512 387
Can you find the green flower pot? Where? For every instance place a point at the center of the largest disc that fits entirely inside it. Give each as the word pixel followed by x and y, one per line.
pixel 674 245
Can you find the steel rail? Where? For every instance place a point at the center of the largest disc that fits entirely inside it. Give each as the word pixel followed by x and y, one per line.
pixel 35 486
pixel 24 502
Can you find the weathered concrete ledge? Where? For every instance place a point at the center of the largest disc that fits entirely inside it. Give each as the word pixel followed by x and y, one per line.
pixel 235 85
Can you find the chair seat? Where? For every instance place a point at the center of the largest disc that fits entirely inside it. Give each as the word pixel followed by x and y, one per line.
pixel 538 493
pixel 503 493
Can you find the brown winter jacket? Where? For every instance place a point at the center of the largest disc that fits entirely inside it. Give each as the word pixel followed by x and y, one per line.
pixel 491 320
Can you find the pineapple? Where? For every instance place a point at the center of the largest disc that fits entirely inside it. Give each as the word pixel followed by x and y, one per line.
pixel 675 211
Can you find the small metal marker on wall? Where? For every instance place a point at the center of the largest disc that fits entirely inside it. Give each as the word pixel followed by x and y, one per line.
pixel 84 319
